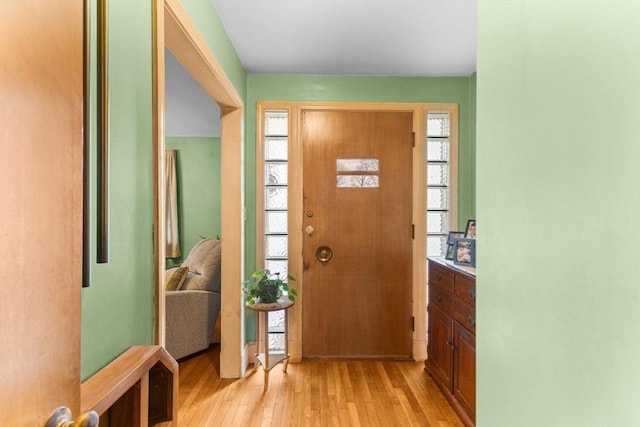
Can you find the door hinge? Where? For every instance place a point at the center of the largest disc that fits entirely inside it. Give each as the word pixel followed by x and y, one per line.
pixel 413 140
pixel 413 323
pixel 413 231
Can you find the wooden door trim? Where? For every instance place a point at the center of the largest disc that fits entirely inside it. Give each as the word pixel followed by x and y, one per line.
pixel 419 272
pixel 174 29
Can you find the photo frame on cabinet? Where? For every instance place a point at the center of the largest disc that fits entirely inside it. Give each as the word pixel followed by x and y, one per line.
pixel 453 235
pixel 470 231
pixel 464 252
pixel 450 240
pixel 449 254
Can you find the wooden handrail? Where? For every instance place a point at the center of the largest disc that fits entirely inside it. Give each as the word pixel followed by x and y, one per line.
pixel 138 388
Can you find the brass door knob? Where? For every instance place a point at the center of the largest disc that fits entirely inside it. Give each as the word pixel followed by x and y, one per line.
pixel 61 417
pixel 324 253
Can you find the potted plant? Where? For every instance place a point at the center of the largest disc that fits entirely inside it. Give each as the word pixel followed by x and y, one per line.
pixel 265 287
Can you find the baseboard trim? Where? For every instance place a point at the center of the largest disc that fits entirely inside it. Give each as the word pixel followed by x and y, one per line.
pixel 249 354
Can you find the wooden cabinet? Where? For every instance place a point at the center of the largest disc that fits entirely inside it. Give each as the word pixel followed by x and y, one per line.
pixel 464 384
pixel 451 350
pixel 440 350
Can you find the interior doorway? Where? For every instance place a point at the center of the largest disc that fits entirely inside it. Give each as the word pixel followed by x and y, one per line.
pixel 192 140
pixel 357 245
pixel 174 30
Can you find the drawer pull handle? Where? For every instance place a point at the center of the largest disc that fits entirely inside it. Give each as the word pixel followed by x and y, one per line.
pixel 439 277
pixel 472 321
pixel 439 298
pixel 472 294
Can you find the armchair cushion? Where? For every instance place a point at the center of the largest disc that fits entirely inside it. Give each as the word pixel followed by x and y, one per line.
pixel 176 278
pixel 204 266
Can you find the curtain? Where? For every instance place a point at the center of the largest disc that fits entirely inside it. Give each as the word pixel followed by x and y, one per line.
pixel 171 214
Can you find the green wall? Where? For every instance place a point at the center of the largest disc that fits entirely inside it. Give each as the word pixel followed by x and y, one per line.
pixel 198 170
pixel 117 310
pixel 471 190
pixel 262 87
pixel 558 200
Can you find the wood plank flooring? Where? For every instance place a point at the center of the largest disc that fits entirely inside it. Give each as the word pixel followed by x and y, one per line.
pixel 315 392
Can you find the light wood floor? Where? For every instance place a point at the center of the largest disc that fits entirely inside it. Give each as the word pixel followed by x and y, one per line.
pixel 315 392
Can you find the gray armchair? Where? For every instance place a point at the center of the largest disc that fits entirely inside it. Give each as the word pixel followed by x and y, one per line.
pixel 192 309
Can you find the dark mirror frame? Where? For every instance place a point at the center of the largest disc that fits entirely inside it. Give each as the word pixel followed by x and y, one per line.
pixel 102 140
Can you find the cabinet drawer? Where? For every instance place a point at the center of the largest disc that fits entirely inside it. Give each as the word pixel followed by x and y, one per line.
pixel 465 314
pixel 466 289
pixel 441 276
pixel 441 298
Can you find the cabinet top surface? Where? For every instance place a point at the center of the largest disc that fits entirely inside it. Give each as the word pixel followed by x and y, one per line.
pixel 462 268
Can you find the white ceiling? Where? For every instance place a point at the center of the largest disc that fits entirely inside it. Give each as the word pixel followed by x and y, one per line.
pixel 353 37
pixel 189 110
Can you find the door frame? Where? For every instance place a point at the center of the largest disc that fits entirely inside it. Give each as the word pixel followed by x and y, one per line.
pixel 172 28
pixel 295 194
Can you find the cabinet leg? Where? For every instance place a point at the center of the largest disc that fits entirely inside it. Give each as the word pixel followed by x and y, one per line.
pixel 266 380
pixel 286 363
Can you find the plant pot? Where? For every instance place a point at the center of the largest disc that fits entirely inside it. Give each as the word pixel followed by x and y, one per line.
pixel 268 292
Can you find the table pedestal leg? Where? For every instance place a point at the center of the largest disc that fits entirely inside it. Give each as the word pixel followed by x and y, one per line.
pixel 262 334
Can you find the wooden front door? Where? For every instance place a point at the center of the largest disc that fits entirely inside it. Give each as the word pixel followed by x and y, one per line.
pixel 40 208
pixel 357 233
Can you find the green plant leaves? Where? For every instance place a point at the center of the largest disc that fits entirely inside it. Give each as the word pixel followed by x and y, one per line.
pixel 253 287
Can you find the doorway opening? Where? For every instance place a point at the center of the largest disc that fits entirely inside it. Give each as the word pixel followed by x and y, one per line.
pixel 174 30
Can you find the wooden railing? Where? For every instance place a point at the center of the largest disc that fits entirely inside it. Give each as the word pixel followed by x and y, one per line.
pixel 137 389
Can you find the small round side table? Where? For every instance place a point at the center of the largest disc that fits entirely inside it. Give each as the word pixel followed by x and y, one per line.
pixel 268 361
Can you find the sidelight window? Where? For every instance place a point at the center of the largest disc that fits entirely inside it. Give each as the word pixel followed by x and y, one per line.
pixel 439 182
pixel 276 142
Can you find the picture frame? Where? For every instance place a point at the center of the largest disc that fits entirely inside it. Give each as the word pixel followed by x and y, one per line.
pixel 464 252
pixel 449 254
pixel 470 230
pixel 453 235
pixel 450 240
